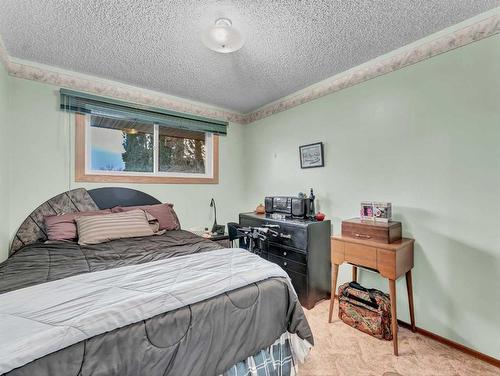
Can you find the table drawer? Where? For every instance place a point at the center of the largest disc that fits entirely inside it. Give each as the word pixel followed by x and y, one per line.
pixel 337 251
pixel 362 255
pixel 286 252
pixel 288 265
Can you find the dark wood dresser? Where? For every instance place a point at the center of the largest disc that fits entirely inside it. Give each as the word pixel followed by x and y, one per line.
pixel 302 250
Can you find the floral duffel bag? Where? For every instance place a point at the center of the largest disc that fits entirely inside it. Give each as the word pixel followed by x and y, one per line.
pixel 368 310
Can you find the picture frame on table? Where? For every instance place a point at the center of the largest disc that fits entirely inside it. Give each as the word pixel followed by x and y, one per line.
pixel 312 155
pixel 376 211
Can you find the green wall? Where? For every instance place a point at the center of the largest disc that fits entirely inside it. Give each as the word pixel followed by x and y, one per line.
pixel 41 147
pixel 4 165
pixel 427 139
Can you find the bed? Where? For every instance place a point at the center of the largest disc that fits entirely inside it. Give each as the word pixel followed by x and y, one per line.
pixel 198 310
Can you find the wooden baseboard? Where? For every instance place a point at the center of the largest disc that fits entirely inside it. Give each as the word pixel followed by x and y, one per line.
pixel 467 350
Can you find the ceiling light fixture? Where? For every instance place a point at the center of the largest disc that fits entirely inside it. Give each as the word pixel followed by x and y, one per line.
pixel 222 37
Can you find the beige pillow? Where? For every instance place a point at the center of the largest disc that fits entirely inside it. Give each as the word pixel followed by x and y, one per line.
pixel 103 228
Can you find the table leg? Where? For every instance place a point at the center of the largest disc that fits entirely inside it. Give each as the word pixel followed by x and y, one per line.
pixel 335 272
pixel 394 317
pixel 354 273
pixel 409 289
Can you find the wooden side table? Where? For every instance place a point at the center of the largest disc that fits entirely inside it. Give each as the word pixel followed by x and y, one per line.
pixel 390 260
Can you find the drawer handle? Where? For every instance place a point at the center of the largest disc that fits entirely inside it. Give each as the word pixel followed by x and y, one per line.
pixel 284 253
pixel 284 264
pixel 362 236
pixel 285 236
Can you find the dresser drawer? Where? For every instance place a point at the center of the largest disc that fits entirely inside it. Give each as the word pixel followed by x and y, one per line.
pixel 287 253
pixel 291 234
pixel 262 254
pixel 288 265
pixel 299 283
pixel 359 254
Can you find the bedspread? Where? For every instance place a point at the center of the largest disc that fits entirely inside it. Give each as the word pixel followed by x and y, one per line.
pixel 232 322
pixel 43 262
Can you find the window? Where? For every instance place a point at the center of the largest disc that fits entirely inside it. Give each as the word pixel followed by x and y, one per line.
pixel 124 142
pixel 115 150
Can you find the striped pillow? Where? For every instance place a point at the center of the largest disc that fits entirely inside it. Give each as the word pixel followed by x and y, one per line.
pixel 103 228
pixel 165 214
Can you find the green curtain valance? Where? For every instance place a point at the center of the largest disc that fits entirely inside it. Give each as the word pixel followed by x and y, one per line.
pixel 83 103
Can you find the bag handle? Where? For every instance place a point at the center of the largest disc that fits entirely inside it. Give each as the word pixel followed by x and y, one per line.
pixel 357 286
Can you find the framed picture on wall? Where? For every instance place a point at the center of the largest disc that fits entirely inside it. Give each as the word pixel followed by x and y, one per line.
pixel 311 155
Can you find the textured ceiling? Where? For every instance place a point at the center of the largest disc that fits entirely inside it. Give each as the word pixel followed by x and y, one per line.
pixel 155 44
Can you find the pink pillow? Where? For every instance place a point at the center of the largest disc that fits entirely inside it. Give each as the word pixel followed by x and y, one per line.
pixel 63 226
pixel 163 212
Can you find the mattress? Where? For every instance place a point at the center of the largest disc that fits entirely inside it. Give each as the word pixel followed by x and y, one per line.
pixel 203 338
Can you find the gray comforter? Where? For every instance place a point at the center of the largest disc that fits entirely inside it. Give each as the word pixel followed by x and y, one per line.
pixel 204 338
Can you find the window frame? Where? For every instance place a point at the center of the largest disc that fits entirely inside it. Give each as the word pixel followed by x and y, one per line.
pixel 83 175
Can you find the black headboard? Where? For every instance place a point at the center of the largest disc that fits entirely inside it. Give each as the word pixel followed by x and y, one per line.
pixel 33 228
pixel 109 197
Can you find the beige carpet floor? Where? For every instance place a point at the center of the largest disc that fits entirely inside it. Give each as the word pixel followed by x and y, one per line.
pixel 344 351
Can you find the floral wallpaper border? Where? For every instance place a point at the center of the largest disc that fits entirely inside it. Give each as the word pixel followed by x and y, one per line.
pixel 119 91
pixel 472 33
pixel 459 38
pixel 4 57
pixel 89 84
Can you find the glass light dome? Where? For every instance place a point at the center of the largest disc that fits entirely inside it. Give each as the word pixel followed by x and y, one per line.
pixel 222 37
